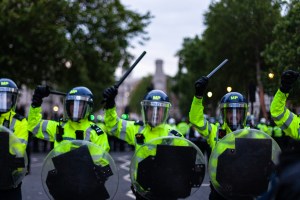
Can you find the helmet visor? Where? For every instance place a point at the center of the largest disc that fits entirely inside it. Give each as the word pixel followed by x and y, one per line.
pixel 234 117
pixel 8 98
pixel 76 108
pixel 155 113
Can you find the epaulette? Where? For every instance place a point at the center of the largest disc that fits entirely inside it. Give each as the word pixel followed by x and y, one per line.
pixel 221 133
pixel 176 133
pixel 139 138
pixel 18 117
pixel 98 130
pixel 139 122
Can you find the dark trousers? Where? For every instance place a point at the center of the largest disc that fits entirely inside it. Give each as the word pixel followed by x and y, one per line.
pixel 11 194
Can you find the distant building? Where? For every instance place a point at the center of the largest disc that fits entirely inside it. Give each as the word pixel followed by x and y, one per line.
pixel 160 83
pixel 159 79
pixel 124 91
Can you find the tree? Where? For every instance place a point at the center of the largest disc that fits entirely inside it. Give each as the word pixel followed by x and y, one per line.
pixel 284 51
pixel 67 43
pixel 238 31
pixel 191 66
pixel 247 27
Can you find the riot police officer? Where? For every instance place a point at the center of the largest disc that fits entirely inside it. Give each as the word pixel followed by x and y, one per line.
pixel 155 111
pixel 233 107
pixel 262 125
pixel 14 122
pixel 283 117
pixel 76 124
pixel 183 126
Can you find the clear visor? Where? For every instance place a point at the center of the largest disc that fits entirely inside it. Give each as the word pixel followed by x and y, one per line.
pixel 234 117
pixel 155 113
pixel 76 108
pixel 7 99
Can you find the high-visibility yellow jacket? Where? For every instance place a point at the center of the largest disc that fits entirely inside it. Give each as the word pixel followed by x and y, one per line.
pixel 18 125
pixel 283 117
pixel 183 127
pixel 208 130
pixel 134 132
pixel 47 129
pixel 264 128
pixel 277 131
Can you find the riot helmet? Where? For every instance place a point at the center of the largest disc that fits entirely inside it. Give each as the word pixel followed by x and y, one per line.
pixel 155 108
pixel 234 108
pixel 78 104
pixel 172 121
pixel 8 95
pixel 263 120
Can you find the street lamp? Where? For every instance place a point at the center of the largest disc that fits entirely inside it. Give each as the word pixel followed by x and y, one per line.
pixel 271 75
pixel 209 94
pixel 55 108
pixel 229 89
pixel 68 64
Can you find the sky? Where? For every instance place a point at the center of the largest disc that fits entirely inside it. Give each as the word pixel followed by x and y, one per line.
pixel 173 21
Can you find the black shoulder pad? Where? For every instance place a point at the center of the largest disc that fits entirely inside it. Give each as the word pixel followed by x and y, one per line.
pixel 18 117
pixel 221 133
pixel 176 133
pixel 139 137
pixel 98 130
pixel 138 122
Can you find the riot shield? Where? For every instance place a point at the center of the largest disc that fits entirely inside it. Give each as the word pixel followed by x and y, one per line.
pixel 13 159
pixel 242 162
pixel 79 169
pixel 167 168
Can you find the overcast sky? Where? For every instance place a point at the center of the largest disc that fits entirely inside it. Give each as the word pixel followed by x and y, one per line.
pixel 173 21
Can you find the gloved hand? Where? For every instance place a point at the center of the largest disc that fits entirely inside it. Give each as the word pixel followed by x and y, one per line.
pixel 40 92
pixel 109 95
pixel 200 86
pixel 288 78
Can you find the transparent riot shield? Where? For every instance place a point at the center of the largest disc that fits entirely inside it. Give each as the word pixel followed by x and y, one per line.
pixel 242 162
pixel 167 168
pixel 79 170
pixel 13 159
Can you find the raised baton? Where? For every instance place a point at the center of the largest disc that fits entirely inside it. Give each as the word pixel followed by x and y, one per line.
pixel 217 68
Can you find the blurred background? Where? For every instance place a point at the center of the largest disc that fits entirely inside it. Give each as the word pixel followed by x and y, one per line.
pixel 92 43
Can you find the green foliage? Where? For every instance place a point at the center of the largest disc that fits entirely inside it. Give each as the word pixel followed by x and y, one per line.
pixel 284 52
pixel 38 38
pixel 236 30
pixel 192 65
pixel 239 31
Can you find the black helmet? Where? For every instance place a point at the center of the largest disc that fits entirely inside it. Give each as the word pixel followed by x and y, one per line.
pixel 8 95
pixel 78 104
pixel 234 107
pixel 155 108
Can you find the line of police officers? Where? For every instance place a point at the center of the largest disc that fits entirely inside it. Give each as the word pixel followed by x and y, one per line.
pixel 77 122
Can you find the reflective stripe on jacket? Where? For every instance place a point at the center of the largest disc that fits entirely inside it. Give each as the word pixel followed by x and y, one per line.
pixel 283 117
pixel 19 127
pixel 208 130
pixel 127 130
pixel 46 129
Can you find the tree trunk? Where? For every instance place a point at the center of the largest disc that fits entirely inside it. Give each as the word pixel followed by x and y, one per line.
pixel 261 93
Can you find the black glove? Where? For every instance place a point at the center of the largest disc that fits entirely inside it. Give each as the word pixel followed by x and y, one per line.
pixel 39 93
pixel 200 86
pixel 109 95
pixel 288 78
